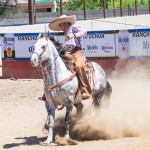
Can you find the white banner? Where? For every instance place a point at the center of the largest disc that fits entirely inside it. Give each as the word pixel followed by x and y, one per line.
pixel 99 44
pixel 96 44
pixel 139 42
pixel 123 44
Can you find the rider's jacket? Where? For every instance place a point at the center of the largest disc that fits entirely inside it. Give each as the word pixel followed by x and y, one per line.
pixel 78 33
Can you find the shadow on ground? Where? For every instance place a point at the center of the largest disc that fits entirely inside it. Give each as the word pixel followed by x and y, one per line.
pixel 33 140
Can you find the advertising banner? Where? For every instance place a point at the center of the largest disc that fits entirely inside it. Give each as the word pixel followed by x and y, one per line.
pixel 99 44
pixel 18 46
pixel 123 44
pixel 139 42
pixel 9 46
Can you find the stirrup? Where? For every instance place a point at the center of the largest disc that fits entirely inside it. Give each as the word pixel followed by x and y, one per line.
pixel 85 96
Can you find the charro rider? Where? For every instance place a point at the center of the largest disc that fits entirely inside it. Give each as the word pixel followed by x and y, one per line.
pixel 73 43
pixel 73 47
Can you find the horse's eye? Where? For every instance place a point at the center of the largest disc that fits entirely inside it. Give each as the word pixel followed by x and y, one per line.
pixel 43 47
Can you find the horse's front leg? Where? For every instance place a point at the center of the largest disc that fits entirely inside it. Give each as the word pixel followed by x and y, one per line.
pixel 68 120
pixel 51 116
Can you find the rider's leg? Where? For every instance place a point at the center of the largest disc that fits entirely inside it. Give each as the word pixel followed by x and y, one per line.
pixel 79 60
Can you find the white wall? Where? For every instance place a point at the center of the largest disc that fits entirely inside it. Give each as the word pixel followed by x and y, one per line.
pixel 0 61
pixel 118 23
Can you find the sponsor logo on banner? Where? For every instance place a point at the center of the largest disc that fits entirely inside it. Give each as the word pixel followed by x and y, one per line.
pixel 9 46
pixel 140 42
pixel 92 49
pixel 123 44
pixel 99 44
pixel 141 34
pixel 146 46
pixel 94 36
pixel 31 49
pixel 26 38
pixel 24 44
pixel 107 48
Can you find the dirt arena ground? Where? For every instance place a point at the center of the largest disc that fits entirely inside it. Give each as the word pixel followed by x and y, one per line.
pixel 124 126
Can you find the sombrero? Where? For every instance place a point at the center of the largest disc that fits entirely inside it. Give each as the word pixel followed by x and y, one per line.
pixel 54 25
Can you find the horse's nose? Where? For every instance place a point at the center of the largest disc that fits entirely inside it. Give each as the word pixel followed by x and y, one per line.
pixel 33 61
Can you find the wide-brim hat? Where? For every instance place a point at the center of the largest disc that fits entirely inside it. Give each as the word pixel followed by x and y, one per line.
pixel 54 25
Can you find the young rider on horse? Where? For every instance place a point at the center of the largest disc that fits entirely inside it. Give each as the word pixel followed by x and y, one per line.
pixel 73 45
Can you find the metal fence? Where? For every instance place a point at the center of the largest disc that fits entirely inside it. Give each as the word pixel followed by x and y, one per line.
pixel 46 17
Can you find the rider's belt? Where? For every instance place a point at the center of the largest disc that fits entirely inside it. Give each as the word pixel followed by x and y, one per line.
pixel 73 50
pixel 76 49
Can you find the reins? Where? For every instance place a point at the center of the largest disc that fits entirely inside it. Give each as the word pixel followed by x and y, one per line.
pixel 59 84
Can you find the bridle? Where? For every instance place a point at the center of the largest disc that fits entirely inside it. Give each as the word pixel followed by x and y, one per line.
pixel 39 55
pixel 43 50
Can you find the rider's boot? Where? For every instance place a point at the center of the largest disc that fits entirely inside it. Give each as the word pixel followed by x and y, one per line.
pixel 84 84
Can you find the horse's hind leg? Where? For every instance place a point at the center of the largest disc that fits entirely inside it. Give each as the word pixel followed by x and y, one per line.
pixel 103 98
pixel 107 95
pixel 97 98
pixel 108 90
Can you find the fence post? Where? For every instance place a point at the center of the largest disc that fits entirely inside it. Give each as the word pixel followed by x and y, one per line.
pixel 129 10
pixel 135 7
pixel 149 6
pixel 85 10
pixel 34 8
pixel 104 8
pixel 61 7
pixel 114 8
pixel 121 8
pixel 31 14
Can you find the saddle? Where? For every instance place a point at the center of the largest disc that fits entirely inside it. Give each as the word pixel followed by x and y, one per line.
pixel 89 72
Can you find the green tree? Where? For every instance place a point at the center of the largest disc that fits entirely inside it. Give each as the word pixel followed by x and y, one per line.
pixel 73 5
pixel 7 8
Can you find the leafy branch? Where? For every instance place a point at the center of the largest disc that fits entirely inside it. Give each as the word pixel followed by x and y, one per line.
pixel 7 8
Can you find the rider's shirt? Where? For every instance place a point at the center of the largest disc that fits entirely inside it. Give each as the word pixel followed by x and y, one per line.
pixel 78 33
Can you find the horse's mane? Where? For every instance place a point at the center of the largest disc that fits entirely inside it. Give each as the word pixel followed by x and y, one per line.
pixel 58 45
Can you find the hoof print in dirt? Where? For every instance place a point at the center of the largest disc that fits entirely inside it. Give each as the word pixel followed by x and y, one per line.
pixel 62 141
pixel 47 144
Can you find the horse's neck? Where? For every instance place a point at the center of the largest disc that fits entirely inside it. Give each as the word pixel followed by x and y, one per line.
pixel 56 69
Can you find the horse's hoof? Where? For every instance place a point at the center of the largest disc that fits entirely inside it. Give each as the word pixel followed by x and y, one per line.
pixel 63 141
pixel 45 143
pixel 72 142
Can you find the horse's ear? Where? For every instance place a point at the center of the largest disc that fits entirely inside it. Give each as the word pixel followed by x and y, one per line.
pixel 51 37
pixel 48 35
pixel 40 35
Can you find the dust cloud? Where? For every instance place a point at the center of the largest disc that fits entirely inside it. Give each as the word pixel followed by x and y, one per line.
pixel 128 114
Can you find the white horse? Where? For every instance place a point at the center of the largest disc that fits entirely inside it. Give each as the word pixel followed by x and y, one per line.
pixel 61 85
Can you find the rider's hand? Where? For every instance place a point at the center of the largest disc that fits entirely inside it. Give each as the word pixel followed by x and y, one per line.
pixel 70 36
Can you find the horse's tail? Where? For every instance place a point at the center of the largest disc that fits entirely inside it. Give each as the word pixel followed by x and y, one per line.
pixel 107 94
pixel 108 90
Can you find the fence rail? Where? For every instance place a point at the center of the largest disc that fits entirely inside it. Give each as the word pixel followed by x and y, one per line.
pixel 23 18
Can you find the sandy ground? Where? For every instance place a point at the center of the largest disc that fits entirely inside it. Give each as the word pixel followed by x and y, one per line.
pixel 124 126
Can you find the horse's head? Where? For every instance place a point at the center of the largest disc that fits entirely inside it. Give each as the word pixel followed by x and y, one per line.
pixel 40 53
